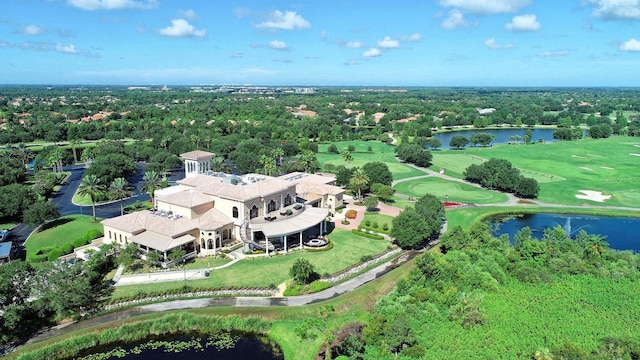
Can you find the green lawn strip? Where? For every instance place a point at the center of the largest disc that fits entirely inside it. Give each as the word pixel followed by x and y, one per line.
pixel 380 152
pixel 524 318
pixel 64 230
pixel 208 262
pixel 604 165
pixel 263 272
pixel 7 226
pixel 465 217
pixel 456 191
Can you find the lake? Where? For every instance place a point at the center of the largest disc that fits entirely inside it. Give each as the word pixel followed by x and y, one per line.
pixel 194 348
pixel 622 233
pixel 502 135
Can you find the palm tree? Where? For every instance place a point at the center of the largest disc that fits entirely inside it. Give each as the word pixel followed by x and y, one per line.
pixel 347 157
pixel 74 144
pixel 358 180
pixel 120 190
pixel 90 186
pixel 217 163
pixel 151 182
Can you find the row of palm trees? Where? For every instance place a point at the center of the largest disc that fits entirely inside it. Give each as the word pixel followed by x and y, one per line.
pixel 119 189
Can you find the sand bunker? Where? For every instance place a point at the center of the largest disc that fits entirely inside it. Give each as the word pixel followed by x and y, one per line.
pixel 632 154
pixel 606 167
pixel 585 168
pixel 597 196
pixel 636 145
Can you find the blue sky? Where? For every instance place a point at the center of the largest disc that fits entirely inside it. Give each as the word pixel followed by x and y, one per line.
pixel 330 42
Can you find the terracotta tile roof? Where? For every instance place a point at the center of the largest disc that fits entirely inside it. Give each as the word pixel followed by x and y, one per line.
pixel 197 154
pixel 187 198
pixel 138 222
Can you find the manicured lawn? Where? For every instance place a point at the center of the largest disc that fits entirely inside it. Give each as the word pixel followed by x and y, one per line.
pixel 381 219
pixel 564 168
pixel 261 272
pixel 458 192
pixel 380 152
pixel 453 161
pixel 59 232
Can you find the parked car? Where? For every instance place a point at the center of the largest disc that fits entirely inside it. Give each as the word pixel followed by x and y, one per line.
pixel 4 235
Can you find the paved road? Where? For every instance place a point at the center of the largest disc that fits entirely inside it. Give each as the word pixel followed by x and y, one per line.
pixel 327 294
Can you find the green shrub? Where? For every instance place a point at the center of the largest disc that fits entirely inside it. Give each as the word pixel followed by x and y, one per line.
pixel 293 290
pixel 67 248
pixel 54 254
pixel 375 224
pixel 367 235
pixel 345 222
pixel 367 222
pixel 80 242
pixel 385 227
pixel 365 258
pixel 92 234
pixel 318 285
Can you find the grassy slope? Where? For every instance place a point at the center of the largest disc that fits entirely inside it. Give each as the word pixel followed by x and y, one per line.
pixel 380 152
pixel 69 228
pixel 260 272
pixel 564 168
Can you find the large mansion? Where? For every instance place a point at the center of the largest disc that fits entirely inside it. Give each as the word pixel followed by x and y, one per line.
pixel 209 210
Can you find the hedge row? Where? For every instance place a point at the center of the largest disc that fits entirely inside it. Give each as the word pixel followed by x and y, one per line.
pixel 367 235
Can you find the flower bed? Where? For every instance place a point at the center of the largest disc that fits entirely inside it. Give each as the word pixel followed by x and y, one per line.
pixel 351 214
pixel 450 203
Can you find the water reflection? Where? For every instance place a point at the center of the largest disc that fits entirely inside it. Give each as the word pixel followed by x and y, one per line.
pixel 621 233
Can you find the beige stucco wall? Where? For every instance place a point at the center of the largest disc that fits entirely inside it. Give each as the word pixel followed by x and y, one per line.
pixel 113 235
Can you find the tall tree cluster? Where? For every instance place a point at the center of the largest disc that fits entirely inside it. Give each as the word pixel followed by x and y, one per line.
pixel 500 174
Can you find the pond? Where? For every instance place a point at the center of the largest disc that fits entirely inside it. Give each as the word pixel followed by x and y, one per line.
pixel 622 233
pixel 502 135
pixel 193 348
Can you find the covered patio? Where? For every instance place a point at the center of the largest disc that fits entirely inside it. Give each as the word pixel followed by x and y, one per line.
pixel 149 241
pixel 285 228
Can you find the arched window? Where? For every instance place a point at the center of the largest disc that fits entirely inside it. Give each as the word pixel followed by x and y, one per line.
pixel 202 243
pixel 253 213
pixel 235 212
pixel 288 200
pixel 209 244
pixel 225 234
pixel 271 206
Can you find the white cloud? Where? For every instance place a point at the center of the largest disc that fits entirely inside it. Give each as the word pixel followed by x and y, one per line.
pixel 616 9
pixel 631 45
pixel 278 45
pixel 492 44
pixel 522 23
pixel 388 43
pixel 32 30
pixel 455 20
pixel 353 45
pixel 553 53
pixel 288 20
pixel 67 49
pixel 181 28
pixel 188 14
pixel 372 53
pixel 112 4
pixel 486 6
pixel 411 38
